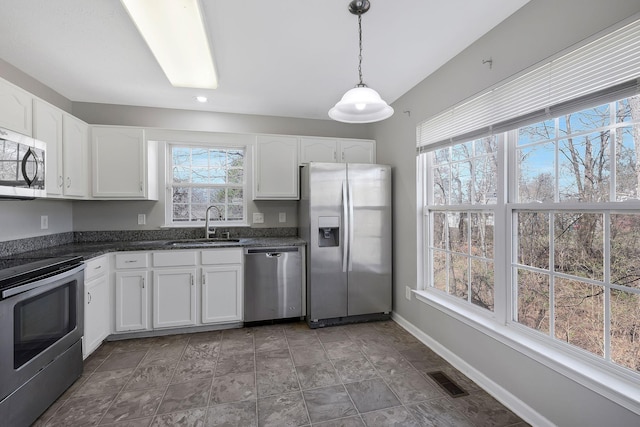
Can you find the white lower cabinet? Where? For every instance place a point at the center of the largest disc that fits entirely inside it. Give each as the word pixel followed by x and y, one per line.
pixel 222 296
pixel 96 304
pixel 174 298
pixel 177 289
pixel 132 300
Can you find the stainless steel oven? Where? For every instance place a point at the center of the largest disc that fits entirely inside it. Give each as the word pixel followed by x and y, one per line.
pixel 22 163
pixel 41 327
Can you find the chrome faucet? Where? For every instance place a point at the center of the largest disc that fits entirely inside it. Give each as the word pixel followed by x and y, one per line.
pixel 208 232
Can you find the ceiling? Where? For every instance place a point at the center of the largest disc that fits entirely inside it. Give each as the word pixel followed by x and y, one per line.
pixel 292 58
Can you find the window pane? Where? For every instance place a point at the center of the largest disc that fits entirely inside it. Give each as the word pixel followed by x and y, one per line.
pixel 235 195
pixel 439 230
pixel 181 156
pixel 440 270
pixel 536 173
pixel 533 300
pixel 235 159
pixel 533 239
pixel 482 283
pixel 578 248
pixel 482 225
pixel 536 132
pixel 485 145
pixel 584 168
pixel 200 175
pixel 218 159
pixel 459 276
pixel 181 174
pixel 627 155
pixel 625 329
pixel 579 314
pixel 235 213
pixel 585 120
pixel 217 176
pixel 441 156
pixel 485 182
pixel 180 212
pixel 235 176
pixel 441 185
pixel 180 195
pixel 198 212
pixel 460 183
pixel 625 250
pixel 461 151
pixel 628 109
pixel 217 195
pixel 200 158
pixel 458 232
pixel 199 195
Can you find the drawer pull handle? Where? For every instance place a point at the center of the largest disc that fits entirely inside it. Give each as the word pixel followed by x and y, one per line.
pixel 129 261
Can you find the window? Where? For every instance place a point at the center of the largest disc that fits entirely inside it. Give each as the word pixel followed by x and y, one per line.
pixel 203 176
pixel 571 234
pixel 464 196
pixel 575 273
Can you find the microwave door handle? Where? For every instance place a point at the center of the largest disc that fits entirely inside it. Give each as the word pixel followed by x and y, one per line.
pixel 25 160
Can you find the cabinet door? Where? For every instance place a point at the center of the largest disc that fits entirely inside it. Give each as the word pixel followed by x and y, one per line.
pixel 276 168
pixel 96 313
pixel 132 301
pixel 174 298
pixel 16 109
pixel 75 158
pixel 119 162
pixel 222 295
pixel 318 150
pixel 353 151
pixel 47 127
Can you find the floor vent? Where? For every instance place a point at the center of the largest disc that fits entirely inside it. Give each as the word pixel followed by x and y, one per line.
pixel 447 384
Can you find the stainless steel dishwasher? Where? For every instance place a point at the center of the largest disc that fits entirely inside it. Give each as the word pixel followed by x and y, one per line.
pixel 272 283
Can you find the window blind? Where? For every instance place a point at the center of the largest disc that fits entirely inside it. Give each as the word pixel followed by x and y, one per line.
pixel 608 65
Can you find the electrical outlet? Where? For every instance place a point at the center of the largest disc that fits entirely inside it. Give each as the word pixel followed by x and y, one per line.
pixel 44 222
pixel 282 217
pixel 407 292
pixel 142 219
pixel 258 218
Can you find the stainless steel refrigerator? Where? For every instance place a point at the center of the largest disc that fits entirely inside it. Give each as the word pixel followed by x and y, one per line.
pixel 345 219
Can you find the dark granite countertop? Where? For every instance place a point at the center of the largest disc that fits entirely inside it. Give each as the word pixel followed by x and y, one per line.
pixel 90 250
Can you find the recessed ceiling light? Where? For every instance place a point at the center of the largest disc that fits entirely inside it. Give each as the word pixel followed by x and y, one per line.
pixel 175 33
pixel 202 99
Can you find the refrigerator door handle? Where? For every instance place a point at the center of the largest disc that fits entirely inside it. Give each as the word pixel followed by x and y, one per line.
pixel 345 227
pixel 351 226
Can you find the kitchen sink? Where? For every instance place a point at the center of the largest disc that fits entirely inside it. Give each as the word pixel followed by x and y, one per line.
pixel 200 242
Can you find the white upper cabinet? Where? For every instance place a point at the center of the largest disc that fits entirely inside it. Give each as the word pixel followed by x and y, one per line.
pixel 333 150
pixel 75 156
pixel 124 164
pixel 276 168
pixel 16 108
pixel 47 127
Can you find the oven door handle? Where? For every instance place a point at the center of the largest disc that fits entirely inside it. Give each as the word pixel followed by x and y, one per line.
pixel 40 283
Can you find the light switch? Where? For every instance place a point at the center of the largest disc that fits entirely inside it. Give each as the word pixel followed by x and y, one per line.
pixel 142 219
pixel 282 217
pixel 44 222
pixel 258 218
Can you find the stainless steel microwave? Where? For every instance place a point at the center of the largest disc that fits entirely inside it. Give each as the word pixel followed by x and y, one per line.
pixel 22 163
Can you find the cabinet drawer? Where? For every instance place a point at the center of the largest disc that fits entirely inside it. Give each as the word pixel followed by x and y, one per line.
pixel 96 267
pixel 222 256
pixel 131 260
pixel 174 258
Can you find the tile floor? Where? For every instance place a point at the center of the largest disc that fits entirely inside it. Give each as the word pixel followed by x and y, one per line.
pixel 370 374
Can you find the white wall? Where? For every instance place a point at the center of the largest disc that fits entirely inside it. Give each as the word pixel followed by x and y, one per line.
pixel 540 30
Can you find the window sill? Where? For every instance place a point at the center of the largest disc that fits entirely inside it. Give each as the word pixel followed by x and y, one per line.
pixel 234 225
pixel 619 387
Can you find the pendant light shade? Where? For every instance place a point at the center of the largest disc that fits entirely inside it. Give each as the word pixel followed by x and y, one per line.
pixel 360 104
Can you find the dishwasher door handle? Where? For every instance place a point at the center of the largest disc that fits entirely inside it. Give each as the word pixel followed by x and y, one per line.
pixel 273 254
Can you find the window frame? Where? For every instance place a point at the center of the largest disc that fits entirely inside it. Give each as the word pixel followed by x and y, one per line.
pixel 597 373
pixel 208 145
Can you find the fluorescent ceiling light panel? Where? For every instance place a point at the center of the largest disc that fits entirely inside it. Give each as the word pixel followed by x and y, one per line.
pixel 175 33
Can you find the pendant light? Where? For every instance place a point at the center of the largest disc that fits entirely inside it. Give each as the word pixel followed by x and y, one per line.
pixel 360 104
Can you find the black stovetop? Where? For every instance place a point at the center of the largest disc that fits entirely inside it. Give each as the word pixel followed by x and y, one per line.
pixel 16 271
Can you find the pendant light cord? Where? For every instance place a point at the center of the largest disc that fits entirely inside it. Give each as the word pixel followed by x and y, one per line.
pixel 360 54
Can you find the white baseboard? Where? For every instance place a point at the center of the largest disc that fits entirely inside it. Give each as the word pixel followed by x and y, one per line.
pixel 514 404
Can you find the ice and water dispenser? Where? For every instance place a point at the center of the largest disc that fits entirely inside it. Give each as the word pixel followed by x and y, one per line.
pixel 328 231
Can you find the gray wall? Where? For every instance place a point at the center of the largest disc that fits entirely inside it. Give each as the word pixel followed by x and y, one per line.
pixel 540 30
